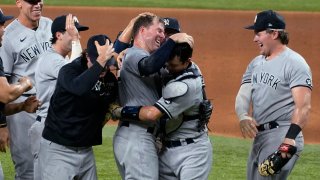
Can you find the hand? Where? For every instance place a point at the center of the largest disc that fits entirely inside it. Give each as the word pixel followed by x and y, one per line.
pixel 116 113
pixel 291 142
pixel 25 82
pixel 71 28
pixel 4 139
pixel 105 52
pixel 182 37
pixel 120 57
pixel 248 128
pixel 31 104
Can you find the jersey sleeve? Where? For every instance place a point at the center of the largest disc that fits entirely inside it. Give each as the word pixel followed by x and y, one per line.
pixel 246 78
pixel 300 74
pixel 7 56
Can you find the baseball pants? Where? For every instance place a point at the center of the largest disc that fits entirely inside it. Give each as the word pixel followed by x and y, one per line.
pixel 35 134
pixel 188 161
pixel 20 143
pixel 135 153
pixel 266 143
pixel 1 173
pixel 67 163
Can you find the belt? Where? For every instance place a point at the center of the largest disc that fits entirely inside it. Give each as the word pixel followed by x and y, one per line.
pixel 38 118
pixel 127 124
pixel 191 117
pixel 181 142
pixel 267 126
pixel 27 95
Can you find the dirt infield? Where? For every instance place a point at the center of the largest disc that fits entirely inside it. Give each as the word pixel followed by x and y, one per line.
pixel 222 50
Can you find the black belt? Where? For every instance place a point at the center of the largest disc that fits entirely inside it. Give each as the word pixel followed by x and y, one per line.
pixel 127 124
pixel 170 144
pixel 191 117
pixel 27 95
pixel 38 118
pixel 267 126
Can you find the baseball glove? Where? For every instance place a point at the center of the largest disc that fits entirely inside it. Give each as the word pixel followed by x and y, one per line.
pixel 205 111
pixel 273 164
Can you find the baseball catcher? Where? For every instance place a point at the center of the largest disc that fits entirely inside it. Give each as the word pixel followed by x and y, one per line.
pixel 277 160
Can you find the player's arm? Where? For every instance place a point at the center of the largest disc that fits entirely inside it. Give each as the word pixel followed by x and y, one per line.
pixel 74 33
pixel 30 105
pixel 81 84
pixel 157 60
pixel 10 92
pixel 302 100
pixel 242 106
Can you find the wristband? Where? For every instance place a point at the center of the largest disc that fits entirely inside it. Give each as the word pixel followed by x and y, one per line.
pixel 293 131
pixel 244 117
pixel 120 46
pixel 131 112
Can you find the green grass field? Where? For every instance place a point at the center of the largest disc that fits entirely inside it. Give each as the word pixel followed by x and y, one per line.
pixel 289 5
pixel 229 160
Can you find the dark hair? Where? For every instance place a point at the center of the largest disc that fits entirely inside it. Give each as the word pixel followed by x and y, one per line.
pixel 54 38
pixel 144 21
pixel 283 36
pixel 183 51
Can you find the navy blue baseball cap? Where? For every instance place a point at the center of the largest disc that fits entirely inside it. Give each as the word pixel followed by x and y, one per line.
pixel 59 24
pixel 267 20
pixel 4 18
pixel 33 2
pixel 92 49
pixel 171 23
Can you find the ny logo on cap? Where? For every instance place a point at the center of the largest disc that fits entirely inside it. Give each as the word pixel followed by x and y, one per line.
pixel 255 19
pixel 75 19
pixel 166 22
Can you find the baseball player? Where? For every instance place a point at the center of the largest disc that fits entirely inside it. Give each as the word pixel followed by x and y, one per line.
pixel 134 142
pixel 8 93
pixel 187 151
pixel 278 83
pixel 24 40
pixel 64 31
pixel 84 89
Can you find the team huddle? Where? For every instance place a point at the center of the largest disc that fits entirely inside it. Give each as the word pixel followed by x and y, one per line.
pixel 55 99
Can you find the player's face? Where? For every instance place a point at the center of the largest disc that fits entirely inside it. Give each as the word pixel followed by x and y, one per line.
pixel 31 10
pixel 153 35
pixel 175 66
pixel 66 40
pixel 265 42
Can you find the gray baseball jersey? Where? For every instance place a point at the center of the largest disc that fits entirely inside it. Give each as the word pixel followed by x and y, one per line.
pixel 175 162
pixel 272 82
pixel 136 90
pixel 21 48
pixel 272 100
pixel 134 147
pixel 46 74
